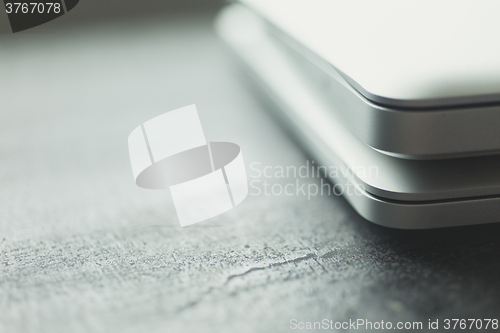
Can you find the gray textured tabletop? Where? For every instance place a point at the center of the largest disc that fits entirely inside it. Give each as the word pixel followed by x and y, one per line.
pixel 83 249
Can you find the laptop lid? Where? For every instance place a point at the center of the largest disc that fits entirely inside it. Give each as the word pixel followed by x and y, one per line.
pixel 423 54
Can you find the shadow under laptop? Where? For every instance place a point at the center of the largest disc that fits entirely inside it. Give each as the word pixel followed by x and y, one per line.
pixel 421 275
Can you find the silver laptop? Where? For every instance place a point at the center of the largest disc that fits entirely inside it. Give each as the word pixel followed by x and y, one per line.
pixel 416 80
pixel 402 193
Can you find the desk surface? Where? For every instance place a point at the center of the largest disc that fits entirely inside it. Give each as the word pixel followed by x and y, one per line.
pixel 84 249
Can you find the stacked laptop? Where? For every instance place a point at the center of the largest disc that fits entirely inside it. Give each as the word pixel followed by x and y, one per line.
pixel 403 95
